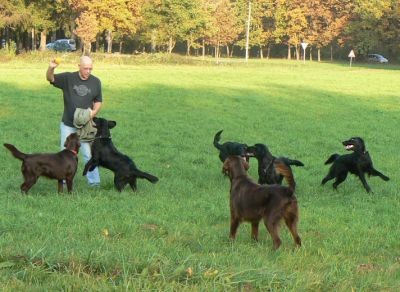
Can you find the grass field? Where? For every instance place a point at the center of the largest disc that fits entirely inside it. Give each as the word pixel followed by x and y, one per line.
pixel 173 236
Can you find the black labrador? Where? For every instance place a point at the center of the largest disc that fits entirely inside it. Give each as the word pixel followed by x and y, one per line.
pixel 105 154
pixel 229 148
pixel 359 163
pixel 267 173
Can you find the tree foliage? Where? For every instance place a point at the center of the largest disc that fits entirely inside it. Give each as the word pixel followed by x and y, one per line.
pixel 158 25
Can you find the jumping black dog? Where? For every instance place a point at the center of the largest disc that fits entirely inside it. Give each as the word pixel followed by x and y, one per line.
pixel 267 173
pixel 105 154
pixel 359 163
pixel 229 148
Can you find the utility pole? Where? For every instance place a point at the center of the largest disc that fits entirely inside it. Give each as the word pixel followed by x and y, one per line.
pixel 248 32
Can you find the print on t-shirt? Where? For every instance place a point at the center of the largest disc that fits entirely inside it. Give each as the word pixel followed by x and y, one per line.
pixel 81 90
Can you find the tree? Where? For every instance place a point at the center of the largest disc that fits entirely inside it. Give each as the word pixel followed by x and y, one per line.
pixel 366 20
pixel 261 24
pixel 87 28
pixel 111 16
pixel 327 19
pixel 225 27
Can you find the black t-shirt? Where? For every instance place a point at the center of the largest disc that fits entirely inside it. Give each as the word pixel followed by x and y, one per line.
pixel 77 93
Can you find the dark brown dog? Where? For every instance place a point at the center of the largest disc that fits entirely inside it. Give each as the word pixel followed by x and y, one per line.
pixel 252 202
pixel 60 166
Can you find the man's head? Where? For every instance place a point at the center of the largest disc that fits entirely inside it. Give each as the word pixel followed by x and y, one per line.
pixel 85 67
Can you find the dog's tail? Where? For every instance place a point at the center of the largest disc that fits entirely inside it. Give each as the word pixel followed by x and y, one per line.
pixel 332 158
pixel 15 152
pixel 284 170
pixel 217 137
pixel 289 161
pixel 141 174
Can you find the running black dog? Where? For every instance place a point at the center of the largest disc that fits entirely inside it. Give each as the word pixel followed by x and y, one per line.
pixel 359 163
pixel 229 148
pixel 267 173
pixel 106 155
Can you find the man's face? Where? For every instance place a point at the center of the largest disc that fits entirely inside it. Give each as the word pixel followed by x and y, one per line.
pixel 85 69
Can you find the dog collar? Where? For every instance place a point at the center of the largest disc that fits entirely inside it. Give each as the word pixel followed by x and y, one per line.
pixel 101 137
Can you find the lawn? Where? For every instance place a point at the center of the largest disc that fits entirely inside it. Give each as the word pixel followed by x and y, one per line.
pixel 174 235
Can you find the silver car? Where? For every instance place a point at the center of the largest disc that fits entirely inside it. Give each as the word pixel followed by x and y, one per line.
pixel 377 58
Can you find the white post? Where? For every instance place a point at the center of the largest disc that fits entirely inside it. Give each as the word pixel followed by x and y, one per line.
pixel 351 56
pixel 248 32
pixel 304 46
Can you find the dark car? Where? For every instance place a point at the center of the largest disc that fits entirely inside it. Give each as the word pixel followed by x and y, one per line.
pixel 62 45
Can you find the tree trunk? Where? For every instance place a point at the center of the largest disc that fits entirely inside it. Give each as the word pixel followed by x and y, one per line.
pixel 289 55
pixel 109 41
pixel 217 51
pixel 33 43
pixel 87 48
pixel 331 52
pixel 97 44
pixel 261 52
pixel 227 51
pixel 268 51
pixel 171 45
pixel 153 41
pixel 188 45
pixel 311 54
pixel 120 47
pixel 203 44
pixel 42 46
pixel 296 49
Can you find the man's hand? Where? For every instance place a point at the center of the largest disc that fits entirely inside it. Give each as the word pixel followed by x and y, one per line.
pixel 50 71
pixel 54 63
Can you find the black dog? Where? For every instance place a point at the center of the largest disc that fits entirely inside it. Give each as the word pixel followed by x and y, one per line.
pixel 359 163
pixel 267 173
pixel 106 155
pixel 60 166
pixel 229 148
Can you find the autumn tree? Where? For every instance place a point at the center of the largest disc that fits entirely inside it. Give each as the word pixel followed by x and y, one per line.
pixel 261 23
pixel 87 28
pixel 389 29
pixel 111 16
pixel 366 21
pixel 225 27
pixel 326 19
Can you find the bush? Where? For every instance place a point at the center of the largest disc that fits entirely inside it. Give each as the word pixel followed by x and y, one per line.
pixel 10 50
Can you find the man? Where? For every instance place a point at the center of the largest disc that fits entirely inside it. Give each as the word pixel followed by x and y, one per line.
pixel 80 90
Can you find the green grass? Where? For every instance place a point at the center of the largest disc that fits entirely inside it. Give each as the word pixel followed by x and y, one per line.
pixel 174 235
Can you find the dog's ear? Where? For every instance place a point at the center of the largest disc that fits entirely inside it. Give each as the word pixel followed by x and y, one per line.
pixel 68 140
pixel 225 167
pixel 111 124
pixel 245 164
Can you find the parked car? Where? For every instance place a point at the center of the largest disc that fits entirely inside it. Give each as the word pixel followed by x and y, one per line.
pixel 377 58
pixel 62 45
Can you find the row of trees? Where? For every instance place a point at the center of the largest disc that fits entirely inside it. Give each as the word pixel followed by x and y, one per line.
pixel 162 25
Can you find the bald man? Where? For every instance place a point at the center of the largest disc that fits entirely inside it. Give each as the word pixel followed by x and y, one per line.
pixel 80 90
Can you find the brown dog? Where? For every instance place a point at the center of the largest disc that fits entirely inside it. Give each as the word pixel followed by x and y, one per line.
pixel 252 202
pixel 60 166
